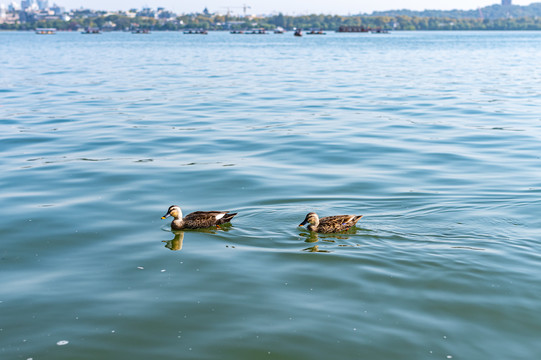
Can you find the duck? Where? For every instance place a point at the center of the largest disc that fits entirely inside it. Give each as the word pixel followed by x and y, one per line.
pixel 330 224
pixel 197 219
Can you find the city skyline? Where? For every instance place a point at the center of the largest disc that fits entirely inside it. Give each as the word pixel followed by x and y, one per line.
pixel 339 7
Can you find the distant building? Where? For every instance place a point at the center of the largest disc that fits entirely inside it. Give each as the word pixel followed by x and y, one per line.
pixel 10 18
pixel 58 10
pixel 506 2
pixel 43 4
pixel 147 12
pixel 13 7
pixel 26 4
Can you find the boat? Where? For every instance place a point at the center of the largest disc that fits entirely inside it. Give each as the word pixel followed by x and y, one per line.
pixel 316 32
pixel 92 31
pixel 279 30
pixel 256 32
pixel 196 32
pixel 141 31
pixel 236 32
pixel 362 29
pixel 353 29
pixel 298 32
pixel 46 31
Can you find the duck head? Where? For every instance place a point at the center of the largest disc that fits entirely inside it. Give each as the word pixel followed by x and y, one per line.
pixel 311 218
pixel 174 211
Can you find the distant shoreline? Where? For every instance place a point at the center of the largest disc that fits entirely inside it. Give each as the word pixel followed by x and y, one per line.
pixel 495 17
pixel 290 31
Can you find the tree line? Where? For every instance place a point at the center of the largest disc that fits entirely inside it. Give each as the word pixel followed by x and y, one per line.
pixel 492 12
pixel 324 22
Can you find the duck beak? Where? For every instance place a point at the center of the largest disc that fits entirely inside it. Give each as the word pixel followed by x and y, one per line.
pixel 303 223
pixel 165 216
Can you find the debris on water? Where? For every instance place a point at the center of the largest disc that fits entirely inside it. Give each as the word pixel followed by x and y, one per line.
pixel 62 342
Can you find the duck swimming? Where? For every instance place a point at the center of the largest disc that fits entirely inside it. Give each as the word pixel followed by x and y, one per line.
pixel 197 219
pixel 330 224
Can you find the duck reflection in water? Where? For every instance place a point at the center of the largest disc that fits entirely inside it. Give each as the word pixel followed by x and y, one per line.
pixel 315 248
pixel 331 239
pixel 175 244
pixel 313 237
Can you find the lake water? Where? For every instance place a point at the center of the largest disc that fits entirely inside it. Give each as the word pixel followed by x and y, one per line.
pixel 434 137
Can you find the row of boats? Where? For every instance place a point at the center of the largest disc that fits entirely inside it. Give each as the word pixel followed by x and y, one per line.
pixel 93 31
pixel 297 32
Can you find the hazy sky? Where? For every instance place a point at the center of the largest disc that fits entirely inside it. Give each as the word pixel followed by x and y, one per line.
pixel 290 7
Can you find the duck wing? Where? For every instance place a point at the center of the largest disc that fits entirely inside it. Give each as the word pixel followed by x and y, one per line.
pixel 338 223
pixel 203 219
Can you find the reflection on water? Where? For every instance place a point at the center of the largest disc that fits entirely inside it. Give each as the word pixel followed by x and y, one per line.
pixel 315 237
pixel 312 236
pixel 467 248
pixel 315 248
pixel 335 240
pixel 176 243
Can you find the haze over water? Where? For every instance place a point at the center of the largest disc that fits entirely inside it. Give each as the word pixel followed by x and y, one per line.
pixel 433 137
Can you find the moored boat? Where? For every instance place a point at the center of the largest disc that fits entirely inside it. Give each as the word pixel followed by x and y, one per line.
pixel 196 32
pixel 316 32
pixel 353 29
pixel 256 32
pixel 92 31
pixel 46 31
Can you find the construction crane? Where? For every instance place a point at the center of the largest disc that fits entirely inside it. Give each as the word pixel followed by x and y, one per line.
pixel 244 7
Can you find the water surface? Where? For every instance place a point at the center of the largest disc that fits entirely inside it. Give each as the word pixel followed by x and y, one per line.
pixel 433 137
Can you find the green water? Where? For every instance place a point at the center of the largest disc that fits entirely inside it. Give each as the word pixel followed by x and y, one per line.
pixel 433 137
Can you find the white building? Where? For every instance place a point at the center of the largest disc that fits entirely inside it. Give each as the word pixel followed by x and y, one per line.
pixel 13 6
pixel 43 4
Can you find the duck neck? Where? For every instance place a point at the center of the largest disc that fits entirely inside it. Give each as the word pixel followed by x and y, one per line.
pixel 313 226
pixel 178 222
pixel 179 214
